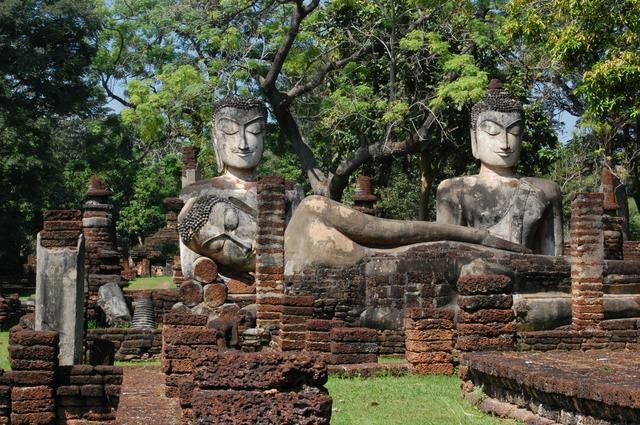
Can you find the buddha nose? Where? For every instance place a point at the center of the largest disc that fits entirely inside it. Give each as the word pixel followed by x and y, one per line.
pixel 243 145
pixel 505 142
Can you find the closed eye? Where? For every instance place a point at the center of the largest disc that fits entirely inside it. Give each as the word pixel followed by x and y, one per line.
pixel 228 127
pixel 490 128
pixel 255 128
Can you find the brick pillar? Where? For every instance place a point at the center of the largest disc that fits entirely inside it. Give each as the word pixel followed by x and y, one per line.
pixel 270 252
pixel 296 310
pixel 318 337
pixel 429 340
pixel 486 320
pixel 102 260
pixel 34 359
pixel 190 169
pixel 587 262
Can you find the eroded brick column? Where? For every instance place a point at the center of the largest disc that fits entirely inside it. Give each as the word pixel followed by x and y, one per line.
pixel 486 320
pixel 34 359
pixel 190 169
pixel 429 340
pixel 587 241
pixel 270 252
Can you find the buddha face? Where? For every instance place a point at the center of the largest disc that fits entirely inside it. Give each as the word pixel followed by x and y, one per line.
pixel 238 137
pixel 497 138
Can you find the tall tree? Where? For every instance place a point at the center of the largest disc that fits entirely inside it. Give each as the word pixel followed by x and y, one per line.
pixel 47 51
pixel 583 56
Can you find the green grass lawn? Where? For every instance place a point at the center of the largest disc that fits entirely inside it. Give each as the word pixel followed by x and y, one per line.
pixel 137 363
pixel 156 282
pixel 404 400
pixel 4 350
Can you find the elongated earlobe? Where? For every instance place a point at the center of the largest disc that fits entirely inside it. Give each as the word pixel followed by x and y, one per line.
pixel 474 144
pixel 216 149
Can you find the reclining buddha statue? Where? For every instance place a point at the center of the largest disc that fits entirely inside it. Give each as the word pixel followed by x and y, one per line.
pixel 218 219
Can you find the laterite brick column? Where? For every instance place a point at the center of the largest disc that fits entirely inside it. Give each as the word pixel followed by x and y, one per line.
pixel 270 252
pixel 587 240
pixel 183 336
pixel 318 337
pixel 486 320
pixel 296 310
pixel 429 340
pixel 34 360
pixel 190 168
pixel 102 260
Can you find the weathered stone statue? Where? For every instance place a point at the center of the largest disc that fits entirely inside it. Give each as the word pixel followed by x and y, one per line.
pixel 524 210
pixel 218 218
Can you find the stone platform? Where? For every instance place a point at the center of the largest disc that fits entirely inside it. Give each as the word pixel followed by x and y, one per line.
pixel 567 387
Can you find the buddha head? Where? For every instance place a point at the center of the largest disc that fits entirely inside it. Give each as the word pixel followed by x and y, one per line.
pixel 238 134
pixel 497 125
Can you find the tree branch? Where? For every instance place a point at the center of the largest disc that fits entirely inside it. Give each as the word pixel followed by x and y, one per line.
pixel 269 81
pixel 105 85
pixel 373 152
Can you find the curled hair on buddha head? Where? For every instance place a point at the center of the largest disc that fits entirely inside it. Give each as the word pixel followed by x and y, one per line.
pixel 497 99
pixel 240 102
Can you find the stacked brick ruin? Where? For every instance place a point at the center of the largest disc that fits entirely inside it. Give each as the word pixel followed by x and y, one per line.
pixel 102 260
pixel 10 311
pixel 587 275
pixel 612 225
pixel 34 360
pixel 295 310
pixel 318 337
pixel 273 388
pixel 270 254
pixel 429 340
pixel 485 321
pixel 183 336
pixel 39 391
pixel 631 251
pixel 353 345
pixel 128 344
pixel 190 169
pixel 61 228
pixel 88 394
pixel 163 300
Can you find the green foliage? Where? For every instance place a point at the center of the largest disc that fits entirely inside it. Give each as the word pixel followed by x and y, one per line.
pixel 46 57
pixel 152 183
pixel 634 221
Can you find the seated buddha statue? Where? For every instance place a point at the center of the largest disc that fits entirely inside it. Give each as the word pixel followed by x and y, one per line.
pixel 524 210
pixel 218 219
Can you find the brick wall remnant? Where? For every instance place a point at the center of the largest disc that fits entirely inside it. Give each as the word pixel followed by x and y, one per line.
pixel 363 198
pixel 266 387
pixel 183 336
pixel 34 360
pixel 318 337
pixel 429 340
pixel 190 168
pixel 88 394
pixel 587 240
pixel 128 343
pixel 353 345
pixel 486 320
pixel 631 251
pixel 296 309
pixel 270 252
